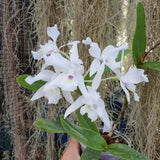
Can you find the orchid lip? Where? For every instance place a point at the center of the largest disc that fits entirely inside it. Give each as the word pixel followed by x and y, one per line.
pixel 70 77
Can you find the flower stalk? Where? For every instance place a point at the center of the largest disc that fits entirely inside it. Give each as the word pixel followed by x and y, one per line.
pixel 124 106
pixel 63 53
pixel 146 53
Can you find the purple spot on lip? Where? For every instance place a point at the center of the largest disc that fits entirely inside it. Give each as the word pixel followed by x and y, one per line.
pixel 50 51
pixel 70 77
pixel 106 60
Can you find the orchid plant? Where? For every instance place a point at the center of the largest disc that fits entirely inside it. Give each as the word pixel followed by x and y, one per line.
pixel 68 76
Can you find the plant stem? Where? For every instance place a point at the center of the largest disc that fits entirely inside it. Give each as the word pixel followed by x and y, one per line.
pixel 102 79
pixel 86 73
pixel 63 53
pixel 146 53
pixel 109 78
pixel 119 117
pixel 88 81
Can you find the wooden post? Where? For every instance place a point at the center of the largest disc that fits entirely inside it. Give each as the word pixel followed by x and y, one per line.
pixel 14 47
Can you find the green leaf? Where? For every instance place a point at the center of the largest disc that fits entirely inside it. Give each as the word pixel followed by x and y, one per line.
pixel 85 136
pixel 85 122
pixel 127 51
pixel 151 65
pixel 139 40
pixel 87 77
pixel 90 154
pixel 106 69
pixel 50 126
pixel 125 152
pixel 34 87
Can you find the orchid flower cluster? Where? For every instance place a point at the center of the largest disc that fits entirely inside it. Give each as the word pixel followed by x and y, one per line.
pixel 68 75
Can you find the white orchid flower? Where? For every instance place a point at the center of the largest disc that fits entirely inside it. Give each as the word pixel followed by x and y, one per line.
pixel 72 77
pixel 129 80
pixel 49 90
pixel 70 71
pixel 91 103
pixel 107 57
pixel 50 47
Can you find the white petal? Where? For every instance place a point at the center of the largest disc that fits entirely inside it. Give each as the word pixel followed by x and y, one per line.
pixel 94 66
pixel 113 52
pixel 74 57
pixel 59 63
pixel 117 72
pixel 83 110
pixel 90 111
pixel 37 55
pixel 103 115
pixel 74 106
pixel 46 49
pixel 50 47
pixel 132 88
pixel 81 85
pixel 95 51
pixel 135 76
pixel 97 79
pixel 106 128
pixel 67 95
pixel 108 51
pixel 88 41
pixel 109 55
pixel 53 95
pixel 78 68
pixel 136 97
pixel 44 75
pixel 94 48
pixel 53 32
pixel 126 91
pixel 113 65
pixel 93 96
pixel 39 93
pixel 124 46
pixel 44 66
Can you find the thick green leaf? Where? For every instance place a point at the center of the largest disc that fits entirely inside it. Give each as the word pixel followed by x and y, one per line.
pixel 50 126
pixel 127 51
pixel 139 40
pixel 125 152
pixel 85 136
pixel 90 154
pixel 34 87
pixel 85 122
pixel 151 65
